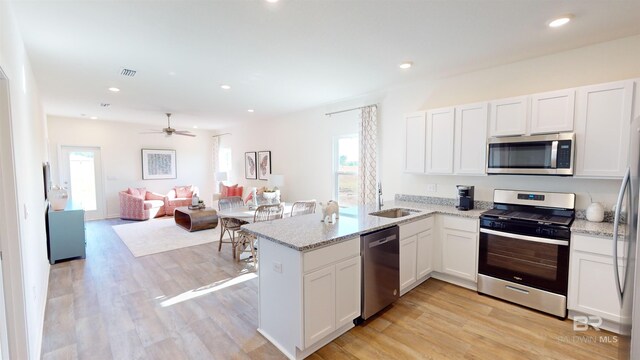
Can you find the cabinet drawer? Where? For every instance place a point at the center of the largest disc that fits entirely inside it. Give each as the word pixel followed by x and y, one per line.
pixel 331 254
pixel 412 228
pixel 461 224
pixel 595 244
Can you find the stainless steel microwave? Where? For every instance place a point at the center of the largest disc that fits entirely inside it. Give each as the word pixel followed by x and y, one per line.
pixel 550 154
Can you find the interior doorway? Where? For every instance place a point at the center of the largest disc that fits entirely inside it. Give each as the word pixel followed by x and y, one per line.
pixel 81 175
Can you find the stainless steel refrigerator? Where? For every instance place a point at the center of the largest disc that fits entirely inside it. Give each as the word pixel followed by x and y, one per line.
pixel 626 235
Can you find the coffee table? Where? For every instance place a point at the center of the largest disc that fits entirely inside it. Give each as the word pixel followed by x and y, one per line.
pixel 194 220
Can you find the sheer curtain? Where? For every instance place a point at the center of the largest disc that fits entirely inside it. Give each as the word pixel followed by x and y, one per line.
pixel 368 174
pixel 216 161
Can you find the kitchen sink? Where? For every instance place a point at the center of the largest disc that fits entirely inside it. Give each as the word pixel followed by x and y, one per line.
pixel 395 213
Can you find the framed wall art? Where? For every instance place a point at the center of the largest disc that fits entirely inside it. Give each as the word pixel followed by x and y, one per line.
pixel 158 164
pixel 250 171
pixel 264 165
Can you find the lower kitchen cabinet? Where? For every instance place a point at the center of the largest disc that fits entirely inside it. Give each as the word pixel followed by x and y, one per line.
pixel 416 252
pixel 592 288
pixel 459 239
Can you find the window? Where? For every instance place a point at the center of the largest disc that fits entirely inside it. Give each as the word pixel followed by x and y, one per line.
pixel 224 158
pixel 346 164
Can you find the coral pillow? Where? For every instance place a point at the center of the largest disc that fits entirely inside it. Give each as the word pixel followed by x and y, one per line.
pixel 183 191
pixel 224 189
pixel 140 193
pixel 235 191
pixel 258 192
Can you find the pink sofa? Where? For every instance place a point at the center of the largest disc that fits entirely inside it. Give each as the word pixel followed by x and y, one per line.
pixel 139 204
pixel 179 196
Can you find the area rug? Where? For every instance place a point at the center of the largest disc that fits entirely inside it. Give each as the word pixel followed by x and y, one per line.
pixel 160 235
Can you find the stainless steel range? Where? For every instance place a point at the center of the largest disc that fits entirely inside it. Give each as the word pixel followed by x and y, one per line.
pixel 524 249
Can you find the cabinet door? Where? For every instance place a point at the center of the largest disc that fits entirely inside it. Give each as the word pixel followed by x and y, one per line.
pixel 424 260
pixel 319 304
pixel 592 288
pixel 415 140
pixel 440 135
pixel 508 117
pixel 471 139
pixel 348 293
pixel 603 123
pixel 553 111
pixel 408 249
pixel 459 254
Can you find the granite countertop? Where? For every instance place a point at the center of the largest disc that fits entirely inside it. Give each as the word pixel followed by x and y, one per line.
pixel 581 226
pixel 307 232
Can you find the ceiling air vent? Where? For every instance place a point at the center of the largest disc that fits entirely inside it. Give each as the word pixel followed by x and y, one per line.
pixel 128 72
pixel 105 105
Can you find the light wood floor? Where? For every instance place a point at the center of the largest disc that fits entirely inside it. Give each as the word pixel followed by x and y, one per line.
pixel 110 307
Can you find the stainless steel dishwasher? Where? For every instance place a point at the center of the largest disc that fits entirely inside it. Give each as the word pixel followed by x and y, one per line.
pixel 380 270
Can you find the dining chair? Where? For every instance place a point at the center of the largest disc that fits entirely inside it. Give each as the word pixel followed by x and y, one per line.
pixel 303 208
pixel 230 225
pixel 246 240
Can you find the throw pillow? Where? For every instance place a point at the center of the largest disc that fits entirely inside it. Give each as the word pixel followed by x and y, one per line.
pixel 140 193
pixel 236 191
pixel 224 189
pixel 183 191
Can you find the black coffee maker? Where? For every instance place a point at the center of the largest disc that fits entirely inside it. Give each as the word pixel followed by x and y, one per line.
pixel 465 197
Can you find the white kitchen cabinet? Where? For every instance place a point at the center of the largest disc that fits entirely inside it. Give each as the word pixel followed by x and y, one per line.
pixel 603 118
pixel 592 288
pixel 408 249
pixel 424 252
pixel 416 252
pixel 552 112
pixel 348 286
pixel 471 139
pixel 508 117
pixel 440 137
pixel 415 142
pixel 319 304
pixel 459 242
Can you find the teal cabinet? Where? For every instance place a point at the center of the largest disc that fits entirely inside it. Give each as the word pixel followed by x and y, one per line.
pixel 65 234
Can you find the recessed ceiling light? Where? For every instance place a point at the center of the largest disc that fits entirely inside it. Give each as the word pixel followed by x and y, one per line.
pixel 172 73
pixel 114 89
pixel 250 110
pixel 195 126
pixel 225 87
pixel 272 1
pixel 563 20
pixel 406 65
pixel 94 118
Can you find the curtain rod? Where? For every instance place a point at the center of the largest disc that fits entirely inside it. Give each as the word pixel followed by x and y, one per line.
pixel 356 108
pixel 221 134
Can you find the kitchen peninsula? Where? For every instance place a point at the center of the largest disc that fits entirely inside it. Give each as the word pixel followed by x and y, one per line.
pixel 310 271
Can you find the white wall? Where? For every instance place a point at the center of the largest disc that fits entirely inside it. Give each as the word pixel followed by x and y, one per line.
pixel 303 136
pixel 120 144
pixel 301 148
pixel 23 238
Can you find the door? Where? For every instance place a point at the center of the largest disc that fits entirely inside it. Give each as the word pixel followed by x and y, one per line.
pixel 348 278
pixel 552 112
pixel 319 304
pixel 4 340
pixel 459 254
pixel 440 126
pixel 415 140
pixel 408 248
pixel 424 261
pixel 508 117
pixel 471 139
pixel 81 174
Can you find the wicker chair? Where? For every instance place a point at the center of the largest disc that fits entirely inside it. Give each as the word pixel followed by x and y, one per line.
pixel 246 240
pixel 303 208
pixel 230 225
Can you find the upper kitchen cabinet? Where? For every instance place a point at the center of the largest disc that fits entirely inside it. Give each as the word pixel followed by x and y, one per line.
pixel 471 139
pixel 603 119
pixel 508 117
pixel 552 112
pixel 440 136
pixel 415 136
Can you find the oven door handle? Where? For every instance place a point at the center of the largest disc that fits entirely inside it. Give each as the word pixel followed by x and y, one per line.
pixel 525 237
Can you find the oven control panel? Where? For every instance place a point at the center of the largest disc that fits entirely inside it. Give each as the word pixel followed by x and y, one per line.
pixel 563 159
pixel 535 197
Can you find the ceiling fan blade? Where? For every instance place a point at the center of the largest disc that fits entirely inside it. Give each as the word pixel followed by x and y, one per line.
pixel 184 133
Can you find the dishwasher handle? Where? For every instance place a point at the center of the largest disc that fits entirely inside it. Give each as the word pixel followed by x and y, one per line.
pixel 382 241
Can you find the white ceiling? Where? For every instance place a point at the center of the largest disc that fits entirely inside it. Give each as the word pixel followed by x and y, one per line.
pixel 283 57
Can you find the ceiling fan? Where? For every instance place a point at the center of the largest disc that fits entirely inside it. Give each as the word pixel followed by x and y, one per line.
pixel 169 130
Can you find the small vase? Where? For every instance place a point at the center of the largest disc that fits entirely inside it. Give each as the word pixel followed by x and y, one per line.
pixel 58 196
pixel 595 212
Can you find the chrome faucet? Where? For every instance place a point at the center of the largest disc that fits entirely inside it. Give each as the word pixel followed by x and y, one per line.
pixel 380 201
